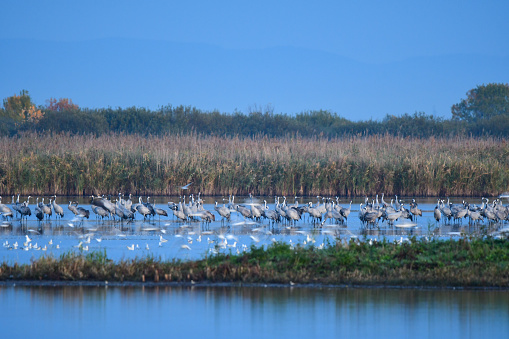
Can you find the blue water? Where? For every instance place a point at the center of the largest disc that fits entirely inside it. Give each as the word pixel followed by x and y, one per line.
pixel 250 312
pixel 195 240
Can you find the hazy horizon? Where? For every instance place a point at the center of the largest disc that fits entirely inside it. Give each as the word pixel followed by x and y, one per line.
pixel 361 61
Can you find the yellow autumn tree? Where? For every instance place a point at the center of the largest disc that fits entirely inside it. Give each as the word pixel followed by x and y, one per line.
pixel 21 108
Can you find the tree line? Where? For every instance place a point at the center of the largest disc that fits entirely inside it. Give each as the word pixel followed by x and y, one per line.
pixel 485 112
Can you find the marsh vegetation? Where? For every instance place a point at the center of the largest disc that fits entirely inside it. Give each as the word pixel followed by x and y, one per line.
pixel 66 164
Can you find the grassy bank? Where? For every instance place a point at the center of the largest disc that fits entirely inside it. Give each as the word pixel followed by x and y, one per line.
pixel 352 166
pixel 466 263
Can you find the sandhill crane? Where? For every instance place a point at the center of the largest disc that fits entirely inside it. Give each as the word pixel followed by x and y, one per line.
pixel 397 203
pixel 128 203
pixel 474 216
pixel 72 208
pixel 270 214
pixel 5 210
pixel 82 211
pixel 39 214
pixel 391 217
pixel 314 213
pixel 24 210
pixel 16 205
pixel 436 212
pixel 292 214
pixel 178 212
pixel 459 212
pixel 416 211
pixel 345 212
pixel 142 209
pixel 205 215
pixel 122 212
pixel 321 208
pixel 150 207
pixel 159 211
pixel 46 208
pixel 279 210
pixel 185 208
pixel 59 211
pixel 406 214
pixel 255 212
pixel 101 212
pixel 446 211
pixel 332 214
pixel 180 215
pixel 104 203
pixel 370 217
pixel 223 211
pixel 245 212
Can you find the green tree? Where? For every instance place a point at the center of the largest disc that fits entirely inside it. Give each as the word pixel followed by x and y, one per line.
pixel 482 103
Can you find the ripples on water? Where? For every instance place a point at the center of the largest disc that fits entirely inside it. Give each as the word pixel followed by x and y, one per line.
pixel 194 240
pixel 251 312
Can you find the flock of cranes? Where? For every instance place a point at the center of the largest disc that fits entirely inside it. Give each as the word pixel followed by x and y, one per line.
pixel 371 213
pixel 492 212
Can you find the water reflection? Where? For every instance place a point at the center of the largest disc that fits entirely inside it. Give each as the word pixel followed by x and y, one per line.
pixel 252 312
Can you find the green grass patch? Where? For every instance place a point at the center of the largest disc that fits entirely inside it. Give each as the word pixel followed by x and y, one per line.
pixel 462 263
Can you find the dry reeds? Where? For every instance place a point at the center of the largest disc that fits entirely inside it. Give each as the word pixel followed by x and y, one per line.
pixel 351 166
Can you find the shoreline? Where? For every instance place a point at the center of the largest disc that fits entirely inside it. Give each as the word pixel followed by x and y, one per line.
pixel 208 284
pixel 467 263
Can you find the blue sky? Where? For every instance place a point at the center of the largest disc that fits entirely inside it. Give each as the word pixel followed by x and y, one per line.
pixel 361 59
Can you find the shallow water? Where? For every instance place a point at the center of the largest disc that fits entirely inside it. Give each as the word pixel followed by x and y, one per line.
pixel 194 240
pixel 251 312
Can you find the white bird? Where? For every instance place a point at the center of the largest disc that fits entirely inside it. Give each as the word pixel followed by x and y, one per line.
pixel 28 239
pixel 131 248
pixel 98 239
pixel 146 247
pixel 85 248
pixel 255 239
pixel 161 239
pixel 185 187
pixel 50 242
pixel 186 247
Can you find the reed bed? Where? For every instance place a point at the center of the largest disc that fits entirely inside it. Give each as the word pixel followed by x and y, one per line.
pixel 158 165
pixel 463 263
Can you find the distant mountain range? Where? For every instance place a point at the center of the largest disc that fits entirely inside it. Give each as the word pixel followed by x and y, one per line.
pixel 143 73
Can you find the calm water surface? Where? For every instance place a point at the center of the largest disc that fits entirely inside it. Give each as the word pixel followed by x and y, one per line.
pixel 251 312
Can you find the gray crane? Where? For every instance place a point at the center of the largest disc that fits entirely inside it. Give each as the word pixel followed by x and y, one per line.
pixel 159 211
pixel 24 210
pixel 46 208
pixel 142 209
pixel 59 211
pixel 223 211
pixel 5 210
pixel 436 212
